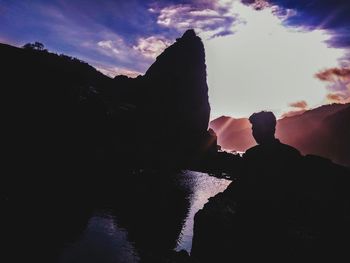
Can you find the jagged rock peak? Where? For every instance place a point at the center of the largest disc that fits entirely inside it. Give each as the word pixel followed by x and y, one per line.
pixel 190 33
pixel 178 77
pixel 176 95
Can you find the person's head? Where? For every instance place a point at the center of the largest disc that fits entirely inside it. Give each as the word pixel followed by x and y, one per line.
pixel 263 126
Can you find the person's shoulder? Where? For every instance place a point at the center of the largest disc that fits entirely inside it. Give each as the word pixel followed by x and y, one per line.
pixel 252 151
pixel 290 149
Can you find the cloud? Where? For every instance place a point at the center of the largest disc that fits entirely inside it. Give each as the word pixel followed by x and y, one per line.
pixel 340 37
pixel 257 4
pixel 299 108
pixel 333 18
pixel 103 32
pixel 113 56
pixel 334 75
pixel 338 98
pixel 266 65
pixel 338 80
pixel 214 18
pixel 299 104
pixel 292 113
pixel 133 59
pixel 113 71
pixel 152 46
pixel 108 44
pixel 318 14
pixel 112 45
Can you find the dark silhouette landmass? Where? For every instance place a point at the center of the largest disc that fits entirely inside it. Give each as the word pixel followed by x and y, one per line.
pixel 283 207
pixel 75 138
pixel 170 119
pixel 63 112
pixel 320 131
pixel 78 140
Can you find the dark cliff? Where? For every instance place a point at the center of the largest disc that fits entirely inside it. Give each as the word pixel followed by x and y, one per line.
pixel 165 113
pixel 176 103
pixel 63 111
pixel 176 83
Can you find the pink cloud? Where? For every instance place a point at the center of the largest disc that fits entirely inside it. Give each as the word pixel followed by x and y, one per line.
pixel 339 83
pixel 299 104
pixel 334 74
pixel 112 71
pixel 212 18
pixel 151 46
pixel 338 98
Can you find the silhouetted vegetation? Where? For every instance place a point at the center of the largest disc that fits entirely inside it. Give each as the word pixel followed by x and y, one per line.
pixel 35 46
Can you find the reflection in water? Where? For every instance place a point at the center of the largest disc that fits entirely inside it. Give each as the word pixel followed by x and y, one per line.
pixel 145 216
pixel 102 241
pixel 203 187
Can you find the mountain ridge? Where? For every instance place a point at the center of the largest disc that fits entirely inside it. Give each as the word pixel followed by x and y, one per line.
pixel 309 132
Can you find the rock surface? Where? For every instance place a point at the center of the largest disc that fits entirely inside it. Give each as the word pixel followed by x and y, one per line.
pixel 291 217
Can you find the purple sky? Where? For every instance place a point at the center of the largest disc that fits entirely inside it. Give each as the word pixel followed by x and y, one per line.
pixel 124 37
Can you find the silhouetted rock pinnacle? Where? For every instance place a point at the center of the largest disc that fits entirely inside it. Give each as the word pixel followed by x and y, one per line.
pixel 176 95
pixel 178 80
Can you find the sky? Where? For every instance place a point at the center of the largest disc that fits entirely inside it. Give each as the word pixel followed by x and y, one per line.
pixel 286 56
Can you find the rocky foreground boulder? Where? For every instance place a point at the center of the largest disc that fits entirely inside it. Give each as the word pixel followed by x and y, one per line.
pixel 303 217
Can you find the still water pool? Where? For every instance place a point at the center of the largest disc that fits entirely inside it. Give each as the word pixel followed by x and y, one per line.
pixel 131 232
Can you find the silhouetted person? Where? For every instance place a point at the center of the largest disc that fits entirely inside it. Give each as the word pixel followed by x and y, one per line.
pixel 269 163
pixel 266 187
pixel 283 207
pixel 269 149
pixel 271 166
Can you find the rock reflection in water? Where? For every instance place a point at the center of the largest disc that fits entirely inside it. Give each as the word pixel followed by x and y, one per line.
pixel 145 216
pixel 102 241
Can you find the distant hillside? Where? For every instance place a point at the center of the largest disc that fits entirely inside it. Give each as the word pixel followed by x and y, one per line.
pixel 34 63
pixel 233 134
pixel 322 131
pixel 54 117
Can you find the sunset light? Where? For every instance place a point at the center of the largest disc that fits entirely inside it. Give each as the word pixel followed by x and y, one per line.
pixel 145 131
pixel 265 65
